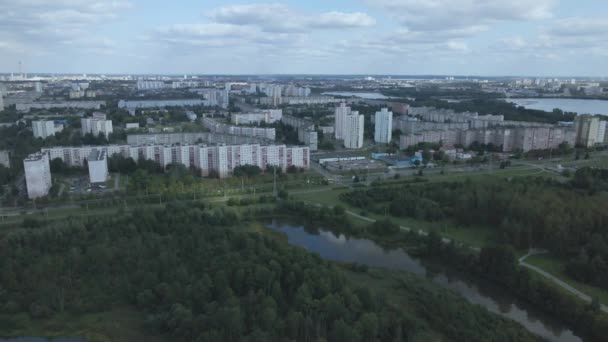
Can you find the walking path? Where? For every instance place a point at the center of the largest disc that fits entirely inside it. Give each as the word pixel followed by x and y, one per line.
pixel 556 280
pixel 522 262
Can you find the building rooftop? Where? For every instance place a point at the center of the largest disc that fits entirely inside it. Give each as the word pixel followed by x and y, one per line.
pixel 34 157
pixel 97 155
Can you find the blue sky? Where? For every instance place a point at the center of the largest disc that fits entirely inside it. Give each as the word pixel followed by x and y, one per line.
pixel 453 37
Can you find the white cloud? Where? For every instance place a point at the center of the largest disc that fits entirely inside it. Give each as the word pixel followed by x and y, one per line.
pixel 51 22
pixel 341 20
pixel 579 26
pixel 437 15
pixel 275 17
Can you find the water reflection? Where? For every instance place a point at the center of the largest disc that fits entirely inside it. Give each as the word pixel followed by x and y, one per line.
pixel 343 249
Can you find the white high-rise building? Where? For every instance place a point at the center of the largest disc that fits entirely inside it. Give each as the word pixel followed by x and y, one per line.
pixel 43 129
pixel 601 132
pixel 352 130
pixel 340 113
pixel 384 126
pixel 587 128
pixel 37 175
pixel 1 102
pixel 38 87
pixel 98 166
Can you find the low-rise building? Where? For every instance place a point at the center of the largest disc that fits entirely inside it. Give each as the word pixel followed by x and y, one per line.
pixel 44 128
pixel 96 125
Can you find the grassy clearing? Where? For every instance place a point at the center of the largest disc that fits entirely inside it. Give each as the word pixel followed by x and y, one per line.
pixel 473 236
pixel 555 266
pixel 121 324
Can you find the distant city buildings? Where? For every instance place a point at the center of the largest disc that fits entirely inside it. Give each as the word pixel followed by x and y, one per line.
pixel 260 132
pixel 132 105
pixel 150 85
pixel 98 166
pixel 96 125
pixel 267 116
pixel 26 107
pixel 37 175
pixel 306 131
pixel 45 128
pixel 220 160
pixel 383 132
pixel 38 87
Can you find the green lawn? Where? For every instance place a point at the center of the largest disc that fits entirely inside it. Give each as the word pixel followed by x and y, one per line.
pixel 555 266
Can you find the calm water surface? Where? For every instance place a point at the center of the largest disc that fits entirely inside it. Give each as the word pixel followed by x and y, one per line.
pixel 363 95
pixel 567 105
pixel 342 249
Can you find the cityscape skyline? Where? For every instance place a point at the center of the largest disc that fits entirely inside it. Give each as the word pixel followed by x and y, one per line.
pixel 372 37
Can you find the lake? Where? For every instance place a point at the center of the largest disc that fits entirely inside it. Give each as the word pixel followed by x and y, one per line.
pixel 340 248
pixel 363 95
pixel 567 105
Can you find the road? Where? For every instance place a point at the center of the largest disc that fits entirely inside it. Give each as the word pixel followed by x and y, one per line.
pixel 557 281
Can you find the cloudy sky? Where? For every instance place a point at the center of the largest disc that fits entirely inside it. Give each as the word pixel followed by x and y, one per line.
pixel 448 37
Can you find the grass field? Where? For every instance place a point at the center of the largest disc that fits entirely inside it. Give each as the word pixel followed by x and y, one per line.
pixel 555 266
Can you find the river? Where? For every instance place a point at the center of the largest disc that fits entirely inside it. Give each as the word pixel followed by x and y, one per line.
pixel 366 252
pixel 579 106
pixel 363 95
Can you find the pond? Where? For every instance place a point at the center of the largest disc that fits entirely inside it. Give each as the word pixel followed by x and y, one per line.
pixel 340 248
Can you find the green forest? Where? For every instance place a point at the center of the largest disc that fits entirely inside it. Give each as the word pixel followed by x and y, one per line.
pixel 199 273
pixel 569 219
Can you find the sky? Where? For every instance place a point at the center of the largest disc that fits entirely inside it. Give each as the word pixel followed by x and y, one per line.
pixel 365 37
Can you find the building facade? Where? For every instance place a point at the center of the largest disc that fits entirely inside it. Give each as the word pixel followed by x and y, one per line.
pixel 339 114
pixel 383 126
pixel 352 130
pixel 219 159
pixel 587 130
pixel 506 139
pixel 37 175
pixel 96 125
pixel 98 166
pixel 43 128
